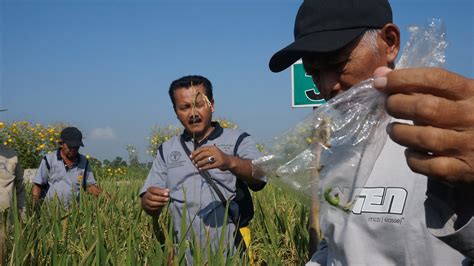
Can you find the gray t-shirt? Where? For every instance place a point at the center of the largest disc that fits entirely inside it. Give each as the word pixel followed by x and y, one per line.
pixel 191 196
pixel 387 225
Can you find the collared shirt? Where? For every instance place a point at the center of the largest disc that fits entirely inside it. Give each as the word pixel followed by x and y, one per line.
pixel 63 181
pixel 189 191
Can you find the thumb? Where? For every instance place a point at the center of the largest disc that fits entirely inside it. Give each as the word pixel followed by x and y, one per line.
pixel 380 75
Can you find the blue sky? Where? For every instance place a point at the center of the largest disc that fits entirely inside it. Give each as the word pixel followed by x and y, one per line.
pixel 105 66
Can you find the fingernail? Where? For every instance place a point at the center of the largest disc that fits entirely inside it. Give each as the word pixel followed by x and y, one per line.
pixel 380 82
pixel 381 71
pixel 389 128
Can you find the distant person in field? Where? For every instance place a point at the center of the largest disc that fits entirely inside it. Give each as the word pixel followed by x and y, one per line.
pixel 62 173
pixel 11 183
pixel 177 176
pixel 417 211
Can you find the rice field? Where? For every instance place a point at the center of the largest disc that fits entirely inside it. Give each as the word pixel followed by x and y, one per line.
pixel 112 229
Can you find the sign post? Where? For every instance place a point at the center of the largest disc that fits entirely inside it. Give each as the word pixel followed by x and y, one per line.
pixel 304 92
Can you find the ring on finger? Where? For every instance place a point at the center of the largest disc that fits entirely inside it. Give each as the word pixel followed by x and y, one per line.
pixel 211 159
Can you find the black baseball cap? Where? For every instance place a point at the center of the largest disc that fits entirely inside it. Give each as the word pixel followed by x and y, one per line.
pixel 327 25
pixel 72 137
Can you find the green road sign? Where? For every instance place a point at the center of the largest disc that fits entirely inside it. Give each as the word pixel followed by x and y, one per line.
pixel 304 92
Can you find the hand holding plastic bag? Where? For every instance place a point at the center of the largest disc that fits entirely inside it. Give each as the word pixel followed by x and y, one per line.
pixel 338 144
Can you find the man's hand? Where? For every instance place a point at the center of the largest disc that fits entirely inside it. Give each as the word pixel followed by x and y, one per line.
pixel 441 105
pixel 94 190
pixel 154 199
pixel 210 157
pixel 35 194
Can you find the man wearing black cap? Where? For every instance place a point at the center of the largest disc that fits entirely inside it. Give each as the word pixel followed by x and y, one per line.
pixel 65 171
pixel 343 42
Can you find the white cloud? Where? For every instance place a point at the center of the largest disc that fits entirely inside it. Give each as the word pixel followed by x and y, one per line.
pixel 105 133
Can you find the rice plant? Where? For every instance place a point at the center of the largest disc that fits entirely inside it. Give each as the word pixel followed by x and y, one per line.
pixel 113 229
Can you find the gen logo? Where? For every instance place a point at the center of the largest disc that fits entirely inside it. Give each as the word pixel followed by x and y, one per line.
pixel 380 200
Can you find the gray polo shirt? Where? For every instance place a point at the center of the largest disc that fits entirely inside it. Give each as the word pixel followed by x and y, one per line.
pixel 173 169
pixel 63 181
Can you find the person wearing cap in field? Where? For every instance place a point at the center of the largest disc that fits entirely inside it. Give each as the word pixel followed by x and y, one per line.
pixel 62 173
pixel 11 183
pixel 401 217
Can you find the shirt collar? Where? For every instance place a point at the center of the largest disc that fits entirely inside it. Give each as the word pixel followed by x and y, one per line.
pixel 58 156
pixel 217 132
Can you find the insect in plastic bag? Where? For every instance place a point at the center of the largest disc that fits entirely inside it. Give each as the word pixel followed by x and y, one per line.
pixel 338 144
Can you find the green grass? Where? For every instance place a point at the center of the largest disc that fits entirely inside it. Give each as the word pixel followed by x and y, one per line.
pixel 112 229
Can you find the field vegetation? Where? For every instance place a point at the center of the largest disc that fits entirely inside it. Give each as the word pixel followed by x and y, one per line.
pixel 113 229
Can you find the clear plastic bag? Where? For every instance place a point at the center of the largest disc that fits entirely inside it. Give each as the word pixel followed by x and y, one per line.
pixel 338 144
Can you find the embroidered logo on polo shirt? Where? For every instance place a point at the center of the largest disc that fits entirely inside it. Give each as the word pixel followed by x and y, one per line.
pixel 174 156
pixel 175 159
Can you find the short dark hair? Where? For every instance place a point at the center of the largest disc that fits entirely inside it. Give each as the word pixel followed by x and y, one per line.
pixel 188 81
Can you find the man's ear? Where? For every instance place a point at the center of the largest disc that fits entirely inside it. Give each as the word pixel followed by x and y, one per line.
pixel 212 106
pixel 391 37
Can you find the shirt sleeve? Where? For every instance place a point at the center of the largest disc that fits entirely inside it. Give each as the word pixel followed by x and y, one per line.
pixel 157 175
pixel 90 180
pixel 248 150
pixel 41 177
pixel 455 228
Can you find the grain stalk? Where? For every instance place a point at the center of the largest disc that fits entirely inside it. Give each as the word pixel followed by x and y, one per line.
pixel 321 138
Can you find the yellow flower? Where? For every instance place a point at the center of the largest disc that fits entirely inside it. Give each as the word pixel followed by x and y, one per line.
pixel 88 156
pixel 40 147
pixel 2 125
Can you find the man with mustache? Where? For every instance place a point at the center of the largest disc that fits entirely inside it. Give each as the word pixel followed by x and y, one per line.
pixel 343 42
pixel 177 179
